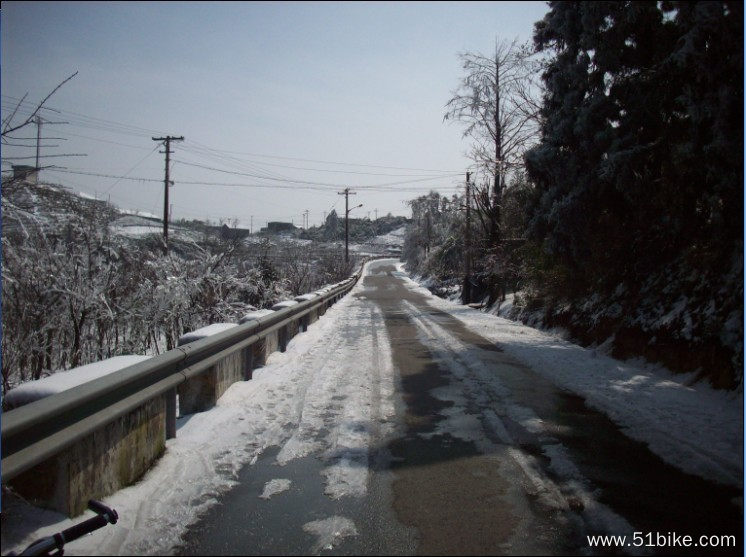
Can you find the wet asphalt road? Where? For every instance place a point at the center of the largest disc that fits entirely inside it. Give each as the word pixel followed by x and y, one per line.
pixel 462 474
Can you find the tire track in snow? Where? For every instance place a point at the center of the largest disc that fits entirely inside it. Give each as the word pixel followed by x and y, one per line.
pixel 358 426
pixel 342 400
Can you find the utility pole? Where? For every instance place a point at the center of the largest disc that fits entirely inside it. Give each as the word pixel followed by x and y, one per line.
pixel 166 183
pixel 376 211
pixel 347 193
pixel 39 121
pixel 251 226
pixel 466 291
pixel 305 218
pixel 38 142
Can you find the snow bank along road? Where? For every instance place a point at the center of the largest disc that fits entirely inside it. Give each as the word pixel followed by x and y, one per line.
pixel 402 423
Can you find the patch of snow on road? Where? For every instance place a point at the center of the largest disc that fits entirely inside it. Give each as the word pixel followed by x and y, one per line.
pixel 358 393
pixel 330 532
pixel 273 487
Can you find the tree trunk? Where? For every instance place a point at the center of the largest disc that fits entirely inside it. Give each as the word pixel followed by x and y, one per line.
pixel 497 189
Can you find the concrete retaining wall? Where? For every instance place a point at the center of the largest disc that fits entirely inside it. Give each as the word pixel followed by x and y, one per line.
pixel 261 350
pixel 201 392
pixel 100 464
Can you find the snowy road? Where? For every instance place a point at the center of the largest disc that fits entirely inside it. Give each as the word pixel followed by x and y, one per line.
pixel 401 423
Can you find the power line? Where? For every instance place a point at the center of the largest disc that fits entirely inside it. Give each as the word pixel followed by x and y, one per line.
pixel 337 163
pixel 31 138
pixel 234 172
pixel 208 153
pixel 101 175
pixel 98 140
pixel 88 121
pixel 27 146
pixel 116 197
pixel 81 120
pixel 91 122
pixel 46 156
pixel 356 172
pixel 135 206
pixel 308 182
pixel 244 185
pixel 101 124
pixel 123 176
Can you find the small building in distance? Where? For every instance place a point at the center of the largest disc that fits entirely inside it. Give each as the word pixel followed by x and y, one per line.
pixel 277 228
pixel 25 173
pixel 227 233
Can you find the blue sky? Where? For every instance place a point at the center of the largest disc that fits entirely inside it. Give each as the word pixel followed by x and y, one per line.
pixel 270 88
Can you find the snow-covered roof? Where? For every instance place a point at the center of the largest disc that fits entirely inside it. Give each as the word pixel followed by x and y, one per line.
pixel 63 380
pixel 207 331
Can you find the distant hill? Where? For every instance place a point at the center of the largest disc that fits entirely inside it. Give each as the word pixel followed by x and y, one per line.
pixel 51 206
pixel 48 206
pixel 360 230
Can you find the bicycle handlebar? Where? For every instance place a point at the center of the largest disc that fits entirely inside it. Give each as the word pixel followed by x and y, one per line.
pixel 45 546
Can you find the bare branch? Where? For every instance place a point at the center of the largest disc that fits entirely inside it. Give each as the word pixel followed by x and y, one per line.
pixel 6 123
pixel 10 118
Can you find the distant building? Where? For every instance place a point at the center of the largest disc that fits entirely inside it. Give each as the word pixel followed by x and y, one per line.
pixel 227 233
pixel 25 173
pixel 277 227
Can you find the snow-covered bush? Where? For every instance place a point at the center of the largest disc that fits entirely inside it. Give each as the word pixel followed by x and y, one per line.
pixel 73 293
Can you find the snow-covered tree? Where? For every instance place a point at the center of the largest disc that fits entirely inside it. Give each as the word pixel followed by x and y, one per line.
pixel 434 242
pixel 73 293
pixel 641 151
pixel 639 172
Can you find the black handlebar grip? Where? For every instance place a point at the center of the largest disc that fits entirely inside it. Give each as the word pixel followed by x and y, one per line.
pixel 84 528
pixel 99 508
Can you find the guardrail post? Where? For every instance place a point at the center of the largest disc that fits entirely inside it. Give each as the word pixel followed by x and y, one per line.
pixel 283 338
pixel 171 414
pixel 248 362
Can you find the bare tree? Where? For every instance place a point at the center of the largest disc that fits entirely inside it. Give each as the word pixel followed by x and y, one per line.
pixel 497 101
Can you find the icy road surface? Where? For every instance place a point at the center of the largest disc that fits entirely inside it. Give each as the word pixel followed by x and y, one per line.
pixel 401 423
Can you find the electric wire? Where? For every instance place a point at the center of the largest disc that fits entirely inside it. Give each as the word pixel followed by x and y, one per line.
pixel 123 176
pixel 308 182
pixel 82 120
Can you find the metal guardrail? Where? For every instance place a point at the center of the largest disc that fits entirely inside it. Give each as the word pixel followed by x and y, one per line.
pixel 41 429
